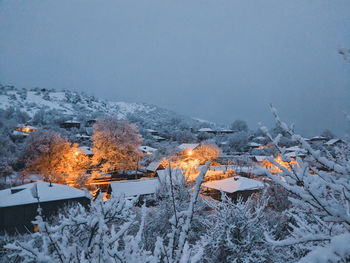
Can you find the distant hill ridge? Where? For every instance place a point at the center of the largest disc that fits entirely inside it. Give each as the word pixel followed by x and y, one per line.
pixel 73 104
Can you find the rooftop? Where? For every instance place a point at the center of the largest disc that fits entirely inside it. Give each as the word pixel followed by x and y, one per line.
pixel 234 184
pixel 185 146
pixel 135 187
pixel 25 193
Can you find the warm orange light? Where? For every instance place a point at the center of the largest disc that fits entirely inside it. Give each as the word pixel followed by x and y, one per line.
pixel 76 152
pixel 275 169
pixel 190 153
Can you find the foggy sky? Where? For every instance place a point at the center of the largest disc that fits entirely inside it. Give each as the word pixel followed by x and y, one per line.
pixel 218 60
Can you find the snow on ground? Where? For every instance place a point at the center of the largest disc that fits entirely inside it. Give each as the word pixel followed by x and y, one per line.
pixel 125 108
pixel 45 193
pixel 202 121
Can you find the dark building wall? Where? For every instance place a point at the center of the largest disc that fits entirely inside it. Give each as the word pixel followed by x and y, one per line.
pixel 70 125
pixel 18 218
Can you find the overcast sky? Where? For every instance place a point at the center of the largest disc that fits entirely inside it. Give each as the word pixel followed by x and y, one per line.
pixel 219 60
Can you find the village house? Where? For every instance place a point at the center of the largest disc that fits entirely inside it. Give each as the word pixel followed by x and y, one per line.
pixel 19 205
pixel 90 123
pixel 188 146
pixel 255 145
pixel 87 150
pixel 318 138
pixel 22 131
pixel 158 138
pixel 295 151
pixel 234 187
pixel 259 158
pixel 26 129
pixel 152 132
pixel 207 130
pixel 334 142
pixel 131 188
pixel 226 131
pixel 147 150
pixel 70 125
pixel 155 166
pixel 81 137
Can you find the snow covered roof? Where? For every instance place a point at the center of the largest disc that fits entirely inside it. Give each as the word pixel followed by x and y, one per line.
pixel 295 154
pixel 153 166
pixel 158 138
pixel 234 184
pixel 254 144
pixel 185 146
pixel 151 131
pixel 19 133
pixel 87 150
pixel 135 187
pixel 147 149
pixel 260 138
pixel 318 138
pixel 205 130
pixel 79 135
pixel 24 194
pixel 295 149
pixel 71 121
pixel 259 158
pixel 334 141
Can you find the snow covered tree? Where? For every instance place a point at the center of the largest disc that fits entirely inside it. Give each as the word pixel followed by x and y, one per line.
pixel 320 194
pixel 235 232
pixel 116 144
pixel 53 157
pixel 5 171
pixel 239 126
pixel 238 141
pixel 206 152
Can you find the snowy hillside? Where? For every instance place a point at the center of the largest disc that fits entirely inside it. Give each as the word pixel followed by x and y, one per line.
pixel 72 104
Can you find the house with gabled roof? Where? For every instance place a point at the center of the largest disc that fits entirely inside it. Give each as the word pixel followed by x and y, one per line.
pixel 19 205
pixel 235 187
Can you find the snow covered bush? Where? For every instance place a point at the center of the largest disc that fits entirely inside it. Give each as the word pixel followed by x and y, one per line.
pixel 171 197
pixel 175 246
pixel 320 190
pixel 238 141
pixel 235 232
pixel 97 234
